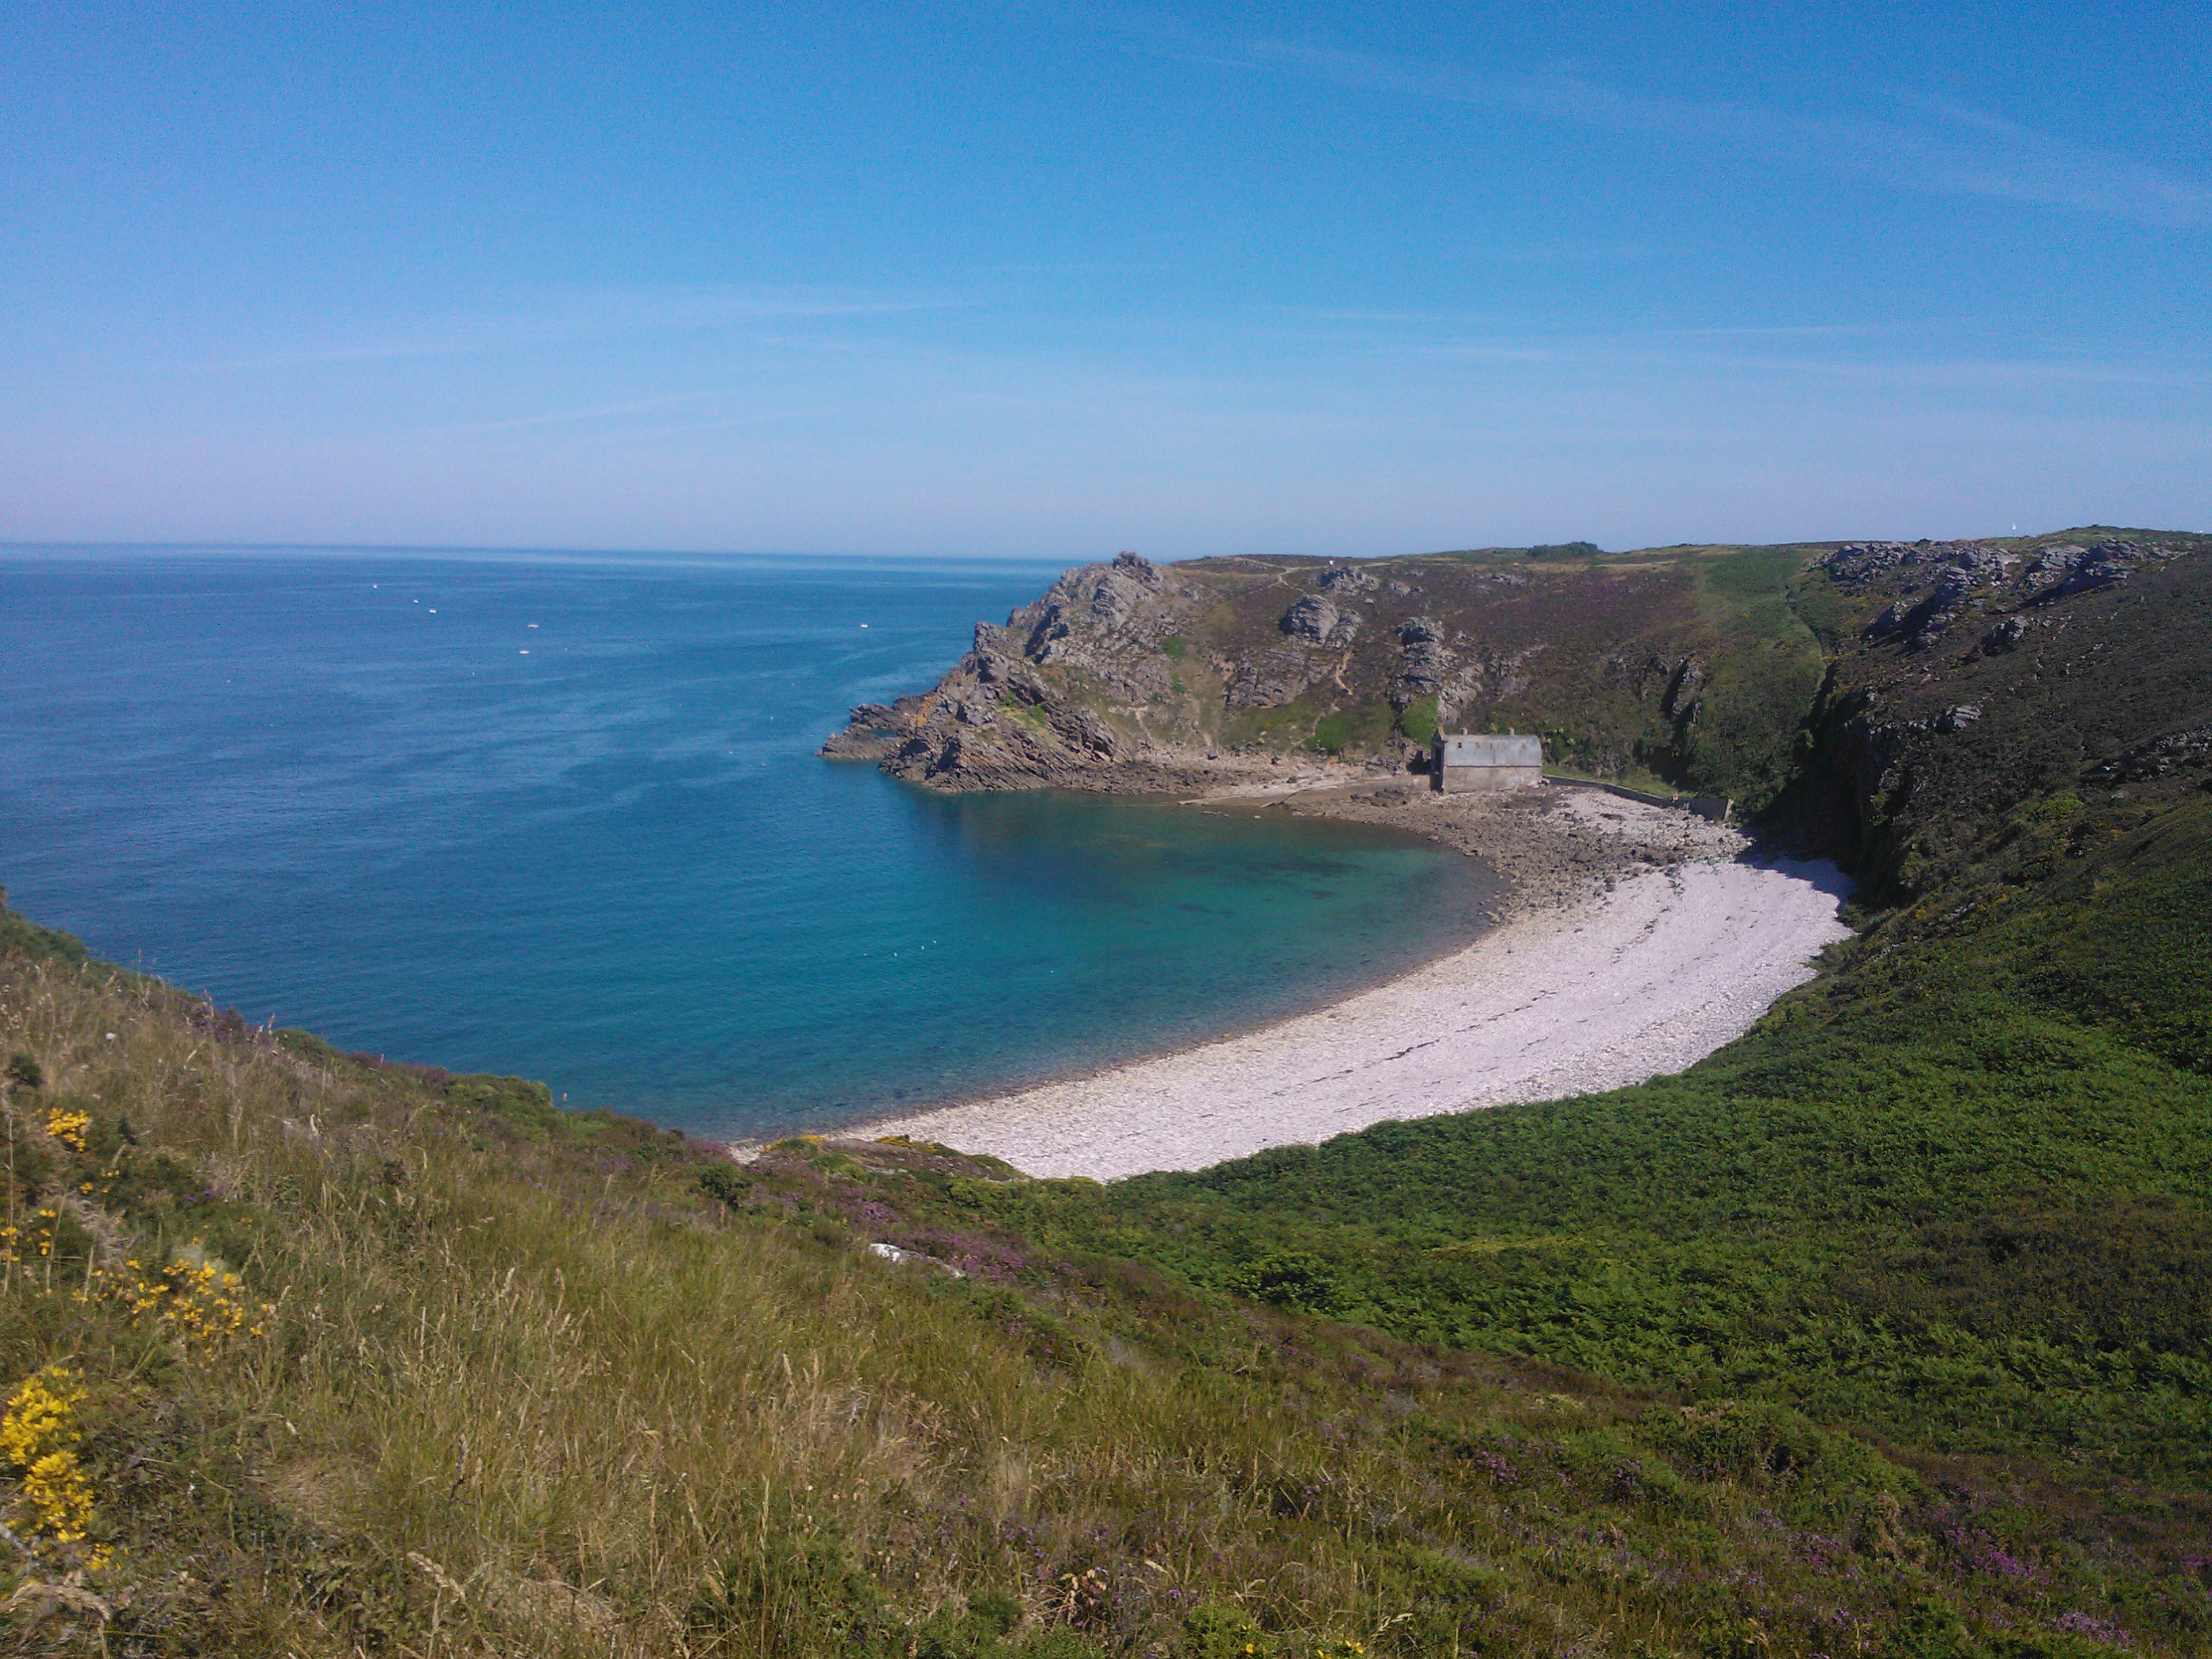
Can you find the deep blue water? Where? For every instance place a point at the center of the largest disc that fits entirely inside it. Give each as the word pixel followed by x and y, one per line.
pixel 564 819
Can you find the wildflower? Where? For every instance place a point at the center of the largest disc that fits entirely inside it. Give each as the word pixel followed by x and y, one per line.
pixel 68 1126
pixel 200 1305
pixel 39 1435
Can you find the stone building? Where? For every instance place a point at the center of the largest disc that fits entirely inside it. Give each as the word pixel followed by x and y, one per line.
pixel 1464 761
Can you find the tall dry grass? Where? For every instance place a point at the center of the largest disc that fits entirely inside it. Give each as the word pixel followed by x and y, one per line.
pixel 543 1385
pixel 537 1395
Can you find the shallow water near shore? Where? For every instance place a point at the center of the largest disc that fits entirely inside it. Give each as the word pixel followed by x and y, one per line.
pixel 562 818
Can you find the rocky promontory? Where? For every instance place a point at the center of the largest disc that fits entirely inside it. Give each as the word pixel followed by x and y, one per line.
pixel 1132 675
pixel 1890 673
pixel 1058 696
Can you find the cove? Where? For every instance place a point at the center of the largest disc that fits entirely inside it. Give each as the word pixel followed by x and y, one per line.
pixel 562 818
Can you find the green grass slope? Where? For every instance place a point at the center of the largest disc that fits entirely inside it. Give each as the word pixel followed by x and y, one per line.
pixel 306 1354
pixel 1886 1330
pixel 1688 665
pixel 1941 1195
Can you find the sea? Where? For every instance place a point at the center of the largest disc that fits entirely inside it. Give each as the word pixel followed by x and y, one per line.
pixel 563 818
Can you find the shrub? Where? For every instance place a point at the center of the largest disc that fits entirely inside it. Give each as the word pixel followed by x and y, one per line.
pixel 39 1435
pixel 1332 734
pixel 721 1179
pixel 1294 1280
pixel 1221 1630
pixel 1418 721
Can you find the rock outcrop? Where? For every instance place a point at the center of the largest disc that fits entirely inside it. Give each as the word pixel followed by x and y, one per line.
pixel 1126 675
pixel 1314 619
pixel 1036 700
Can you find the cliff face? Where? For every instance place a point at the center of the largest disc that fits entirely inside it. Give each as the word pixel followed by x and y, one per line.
pixel 1059 695
pixel 1970 676
pixel 1895 696
pixel 1130 675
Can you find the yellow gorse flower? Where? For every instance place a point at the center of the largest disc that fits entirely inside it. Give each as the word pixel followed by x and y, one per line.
pixel 197 1302
pixel 68 1126
pixel 39 1435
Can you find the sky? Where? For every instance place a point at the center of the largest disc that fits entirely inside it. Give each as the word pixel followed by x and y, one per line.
pixel 1054 280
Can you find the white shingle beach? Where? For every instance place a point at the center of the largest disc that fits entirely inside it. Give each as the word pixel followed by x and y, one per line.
pixel 1643 979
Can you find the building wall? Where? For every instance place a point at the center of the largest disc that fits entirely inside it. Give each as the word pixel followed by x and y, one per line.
pixel 1466 761
pixel 1462 780
pixel 1489 749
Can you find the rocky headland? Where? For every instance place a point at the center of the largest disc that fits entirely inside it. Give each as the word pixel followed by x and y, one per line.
pixel 1854 695
pixel 1882 703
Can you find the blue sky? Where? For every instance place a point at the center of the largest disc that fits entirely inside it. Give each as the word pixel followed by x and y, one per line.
pixel 1060 279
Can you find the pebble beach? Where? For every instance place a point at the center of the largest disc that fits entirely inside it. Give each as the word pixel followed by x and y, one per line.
pixel 1643 975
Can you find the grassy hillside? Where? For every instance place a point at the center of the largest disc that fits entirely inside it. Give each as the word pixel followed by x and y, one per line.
pixel 1887 1330
pixel 1688 665
pixel 1717 669
pixel 340 1358
pixel 310 1354
pixel 1942 1194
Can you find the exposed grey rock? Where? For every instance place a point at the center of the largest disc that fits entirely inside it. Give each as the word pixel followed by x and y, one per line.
pixel 1680 703
pixel 1965 568
pixel 1115 598
pixel 2161 756
pixel 1935 614
pixel 1951 719
pixel 1085 730
pixel 2005 636
pixel 1889 620
pixel 1313 617
pixel 1486 675
pixel 1268 679
pixel 1425 662
pixel 1860 561
pixel 874 714
pixel 2069 570
pixel 1346 579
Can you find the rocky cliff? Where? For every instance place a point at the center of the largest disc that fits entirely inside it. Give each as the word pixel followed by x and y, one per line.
pixel 1851 679
pixel 1969 677
pixel 1130 675
pixel 1066 692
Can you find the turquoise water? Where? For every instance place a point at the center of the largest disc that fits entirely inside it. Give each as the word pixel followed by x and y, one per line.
pixel 564 819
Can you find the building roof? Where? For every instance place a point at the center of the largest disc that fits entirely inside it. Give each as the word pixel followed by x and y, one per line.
pixel 1490 749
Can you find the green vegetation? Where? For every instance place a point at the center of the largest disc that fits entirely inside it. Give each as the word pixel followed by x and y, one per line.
pixel 357 1357
pixel 1887 1330
pixel 1363 727
pixel 1282 725
pixel 1418 721
pixel 1898 1203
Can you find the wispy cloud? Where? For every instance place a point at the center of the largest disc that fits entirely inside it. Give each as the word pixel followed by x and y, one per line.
pixel 1905 141
pixel 580 319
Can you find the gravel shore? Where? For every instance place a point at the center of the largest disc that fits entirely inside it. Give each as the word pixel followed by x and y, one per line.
pixel 1639 941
